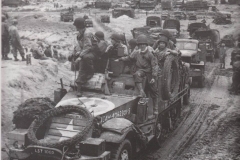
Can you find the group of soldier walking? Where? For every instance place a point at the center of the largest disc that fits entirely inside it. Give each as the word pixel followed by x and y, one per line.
pixel 147 60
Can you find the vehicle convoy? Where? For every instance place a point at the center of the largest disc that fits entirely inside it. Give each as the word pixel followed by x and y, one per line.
pixel 195 57
pixel 109 122
pixel 192 27
pixel 166 5
pixel 208 42
pixel 144 4
pixel 105 18
pixel 66 16
pixel 154 21
pixel 117 12
pixel 173 26
pixel 15 3
pixel 103 4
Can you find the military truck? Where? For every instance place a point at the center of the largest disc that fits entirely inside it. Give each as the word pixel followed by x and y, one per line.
pixel 165 15
pixel 88 23
pixel 222 18
pixel 192 16
pixel 228 40
pixel 192 27
pixel 66 16
pixel 195 5
pixel 144 4
pixel 103 4
pixel 180 15
pixel 109 122
pixel 105 18
pixel 154 21
pixel 151 32
pixel 166 5
pixel 15 3
pixel 233 55
pixel 208 42
pixel 190 53
pixel 117 12
pixel 173 25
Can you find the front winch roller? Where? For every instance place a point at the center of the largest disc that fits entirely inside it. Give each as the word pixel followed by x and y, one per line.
pixel 57 112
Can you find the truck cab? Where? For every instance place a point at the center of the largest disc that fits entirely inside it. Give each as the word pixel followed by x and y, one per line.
pixel 190 53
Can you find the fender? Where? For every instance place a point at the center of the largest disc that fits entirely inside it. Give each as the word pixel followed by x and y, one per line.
pixel 116 129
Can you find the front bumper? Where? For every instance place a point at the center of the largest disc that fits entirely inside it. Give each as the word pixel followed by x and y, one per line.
pixel 37 151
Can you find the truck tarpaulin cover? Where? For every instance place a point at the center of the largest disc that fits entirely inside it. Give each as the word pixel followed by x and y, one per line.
pixel 213 34
pixel 172 24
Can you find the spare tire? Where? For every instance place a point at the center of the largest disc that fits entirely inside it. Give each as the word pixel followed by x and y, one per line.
pixel 171 79
pixel 27 111
pixel 61 110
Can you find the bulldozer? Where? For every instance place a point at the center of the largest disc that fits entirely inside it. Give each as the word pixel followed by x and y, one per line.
pixel 109 122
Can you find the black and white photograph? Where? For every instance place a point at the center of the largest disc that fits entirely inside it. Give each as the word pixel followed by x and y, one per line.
pixel 120 80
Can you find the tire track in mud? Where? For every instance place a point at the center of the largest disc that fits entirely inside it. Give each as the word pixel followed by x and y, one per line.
pixel 191 123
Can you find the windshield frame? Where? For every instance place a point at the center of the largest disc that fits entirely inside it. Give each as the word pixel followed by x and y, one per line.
pixel 186 48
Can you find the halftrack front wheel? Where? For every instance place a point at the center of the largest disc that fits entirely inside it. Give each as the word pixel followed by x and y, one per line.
pixel 123 151
pixel 186 97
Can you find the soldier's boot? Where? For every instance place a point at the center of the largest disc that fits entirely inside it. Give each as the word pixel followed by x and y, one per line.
pixel 7 58
pixel 140 88
pixel 23 58
pixel 155 106
pixel 79 90
pixel 15 58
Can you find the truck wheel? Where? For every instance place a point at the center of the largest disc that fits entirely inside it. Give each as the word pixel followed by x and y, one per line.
pixel 123 151
pixel 186 97
pixel 34 127
pixel 27 111
pixel 171 78
pixel 201 82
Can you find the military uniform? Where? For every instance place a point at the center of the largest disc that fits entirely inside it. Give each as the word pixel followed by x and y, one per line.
pixel 15 42
pixel 222 55
pixel 5 40
pixel 236 76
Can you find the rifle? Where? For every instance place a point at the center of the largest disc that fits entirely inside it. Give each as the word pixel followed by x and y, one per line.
pixel 106 89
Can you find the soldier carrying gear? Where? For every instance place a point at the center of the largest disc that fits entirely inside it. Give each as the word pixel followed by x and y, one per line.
pixel 99 35
pixel 146 66
pixel 236 76
pixel 162 51
pixel 222 55
pixel 116 43
pixel 171 39
pixel 83 54
pixel 15 41
pixel 5 40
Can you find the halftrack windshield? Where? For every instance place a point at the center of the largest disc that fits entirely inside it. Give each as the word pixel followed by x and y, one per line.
pixel 186 45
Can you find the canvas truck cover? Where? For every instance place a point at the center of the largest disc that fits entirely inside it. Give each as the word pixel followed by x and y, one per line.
pixel 213 34
pixel 172 24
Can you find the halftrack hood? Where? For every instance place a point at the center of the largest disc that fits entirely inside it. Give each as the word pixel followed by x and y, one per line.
pixel 188 53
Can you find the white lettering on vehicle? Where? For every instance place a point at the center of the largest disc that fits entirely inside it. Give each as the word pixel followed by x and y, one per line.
pixel 116 114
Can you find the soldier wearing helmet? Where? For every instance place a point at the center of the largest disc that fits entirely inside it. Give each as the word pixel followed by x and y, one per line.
pixel 162 51
pixel 15 41
pixel 132 45
pixel 236 76
pixel 171 40
pixel 146 66
pixel 82 54
pixel 5 40
pixel 99 44
pixel 116 44
pixel 222 55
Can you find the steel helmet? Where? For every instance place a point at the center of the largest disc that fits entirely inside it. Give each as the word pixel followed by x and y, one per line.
pixel 163 39
pixel 165 33
pixel 79 22
pixel 99 35
pixel 115 37
pixel 122 37
pixel 142 39
pixel 132 42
